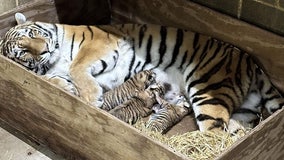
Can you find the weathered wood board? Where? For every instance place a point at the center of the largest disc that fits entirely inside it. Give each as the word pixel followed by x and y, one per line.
pixel 72 128
pixel 65 123
pixel 35 10
pixel 266 141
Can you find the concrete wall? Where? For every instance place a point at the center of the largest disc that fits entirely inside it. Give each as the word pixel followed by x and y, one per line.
pixel 268 14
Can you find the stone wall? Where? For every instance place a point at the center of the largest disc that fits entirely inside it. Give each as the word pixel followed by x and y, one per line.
pixel 268 14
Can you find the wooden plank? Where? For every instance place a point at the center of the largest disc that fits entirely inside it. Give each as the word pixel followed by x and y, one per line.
pixel 43 10
pixel 66 124
pixel 266 46
pixel 70 127
pixel 266 141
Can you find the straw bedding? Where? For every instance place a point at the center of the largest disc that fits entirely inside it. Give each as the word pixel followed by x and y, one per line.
pixel 195 144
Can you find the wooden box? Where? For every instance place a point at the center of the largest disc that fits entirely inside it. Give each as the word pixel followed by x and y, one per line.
pixel 73 129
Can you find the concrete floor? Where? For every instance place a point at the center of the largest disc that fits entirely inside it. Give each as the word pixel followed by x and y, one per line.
pixel 16 147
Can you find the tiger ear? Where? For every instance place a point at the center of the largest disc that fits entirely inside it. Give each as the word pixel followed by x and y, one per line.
pixel 20 18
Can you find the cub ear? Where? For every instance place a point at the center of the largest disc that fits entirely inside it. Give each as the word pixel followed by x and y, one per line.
pixel 20 18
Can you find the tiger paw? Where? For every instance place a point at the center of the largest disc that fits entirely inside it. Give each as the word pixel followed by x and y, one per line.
pixel 69 87
pixel 235 128
pixel 91 99
pixel 99 102
pixel 64 83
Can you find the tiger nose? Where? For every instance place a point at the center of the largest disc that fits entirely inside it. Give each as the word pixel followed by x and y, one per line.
pixel 43 49
pixel 38 46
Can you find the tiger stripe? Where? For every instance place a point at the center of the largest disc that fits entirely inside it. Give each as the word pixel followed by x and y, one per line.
pixel 128 89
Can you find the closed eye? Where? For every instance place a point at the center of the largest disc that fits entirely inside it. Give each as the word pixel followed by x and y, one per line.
pixel 31 34
pixel 150 77
pixel 45 34
pixel 19 54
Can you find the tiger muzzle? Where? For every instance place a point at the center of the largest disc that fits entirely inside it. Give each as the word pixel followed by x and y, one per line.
pixel 36 46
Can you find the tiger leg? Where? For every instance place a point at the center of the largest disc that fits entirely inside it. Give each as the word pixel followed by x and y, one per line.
pixel 262 95
pixel 84 69
pixel 62 82
pixel 272 99
pixel 211 114
pixel 236 128
pixel 249 113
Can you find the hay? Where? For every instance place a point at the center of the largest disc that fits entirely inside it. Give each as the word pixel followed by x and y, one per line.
pixel 195 144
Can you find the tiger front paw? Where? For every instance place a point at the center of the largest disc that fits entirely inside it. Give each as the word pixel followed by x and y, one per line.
pixel 70 87
pixel 92 99
pixel 235 128
pixel 98 103
pixel 63 82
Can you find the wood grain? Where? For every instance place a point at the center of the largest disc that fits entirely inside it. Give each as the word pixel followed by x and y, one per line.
pixel 267 47
pixel 66 124
pixel 266 141
pixel 36 10
pixel 72 128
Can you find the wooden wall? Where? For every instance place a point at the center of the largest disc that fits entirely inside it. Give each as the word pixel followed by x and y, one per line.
pixel 70 127
pixel 268 14
pixel 7 5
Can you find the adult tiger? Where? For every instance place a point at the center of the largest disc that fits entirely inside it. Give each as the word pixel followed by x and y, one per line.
pixel 216 77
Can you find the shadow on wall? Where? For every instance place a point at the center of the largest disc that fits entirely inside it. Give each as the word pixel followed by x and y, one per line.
pixel 89 12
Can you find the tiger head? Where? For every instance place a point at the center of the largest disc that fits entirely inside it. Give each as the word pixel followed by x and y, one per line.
pixel 181 108
pixel 144 79
pixel 30 43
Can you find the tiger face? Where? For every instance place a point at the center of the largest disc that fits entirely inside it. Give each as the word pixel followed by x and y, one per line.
pixel 156 90
pixel 29 45
pixel 172 110
pixel 148 77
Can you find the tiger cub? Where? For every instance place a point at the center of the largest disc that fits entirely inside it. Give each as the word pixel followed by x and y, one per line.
pixel 138 106
pixel 166 115
pixel 132 87
pixel 216 77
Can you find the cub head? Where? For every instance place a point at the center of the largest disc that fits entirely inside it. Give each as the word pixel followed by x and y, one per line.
pixel 176 111
pixel 144 78
pixel 31 44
